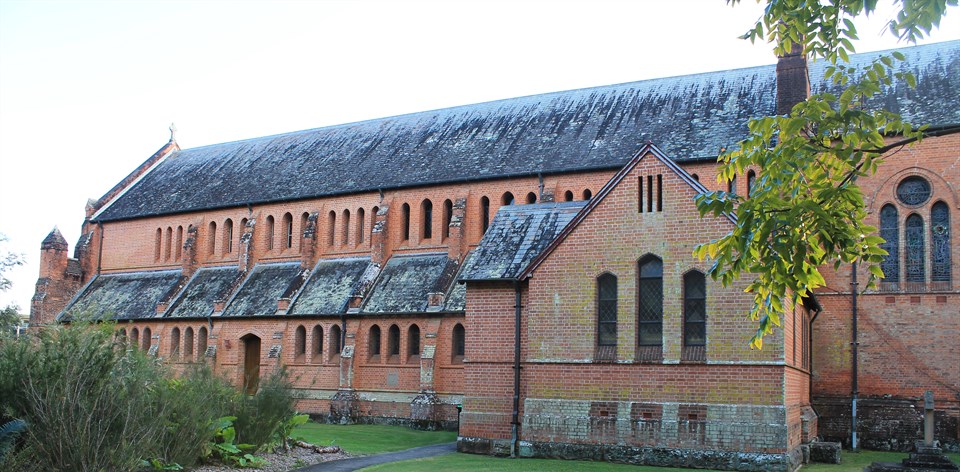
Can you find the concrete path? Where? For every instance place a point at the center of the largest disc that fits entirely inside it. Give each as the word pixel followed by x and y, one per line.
pixel 356 463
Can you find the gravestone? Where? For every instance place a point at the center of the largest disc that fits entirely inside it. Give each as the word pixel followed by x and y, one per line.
pixel 928 456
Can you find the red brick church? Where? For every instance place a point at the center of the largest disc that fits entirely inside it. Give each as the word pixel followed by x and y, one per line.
pixel 530 260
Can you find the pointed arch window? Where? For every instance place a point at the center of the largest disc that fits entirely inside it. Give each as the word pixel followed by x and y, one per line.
pixel 940 243
pixel 751 180
pixel 287 231
pixel 393 344
pixel 179 247
pixel 606 317
pixel 405 223
pixel 484 214
pixel 316 349
pixel 168 242
pixel 175 343
pixel 447 217
pixel 188 343
pixel 335 342
pixel 650 308
pixel 458 343
pixel 890 232
pixel 694 316
pixel 331 227
pixel 732 185
pixel 158 243
pixel 300 344
pixel 270 232
pixel 373 343
pixel 228 236
pixel 346 228
pixel 147 339
pixel 568 196
pixel 201 342
pixel 531 198
pixel 507 199
pixel 361 222
pixel 212 248
pixel 413 343
pixel 426 213
pixel 914 249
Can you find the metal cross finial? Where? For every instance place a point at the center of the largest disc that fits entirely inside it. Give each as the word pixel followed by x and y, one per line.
pixel 173 132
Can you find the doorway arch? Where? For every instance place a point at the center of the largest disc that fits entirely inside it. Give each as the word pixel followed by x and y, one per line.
pixel 251 363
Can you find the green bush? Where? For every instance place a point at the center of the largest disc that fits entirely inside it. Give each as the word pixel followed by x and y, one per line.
pixel 92 404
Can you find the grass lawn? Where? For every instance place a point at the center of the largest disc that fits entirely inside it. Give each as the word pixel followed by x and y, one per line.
pixel 852 462
pixel 365 439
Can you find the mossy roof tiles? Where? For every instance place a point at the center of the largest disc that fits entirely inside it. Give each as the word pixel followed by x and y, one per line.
pixel 262 289
pixel 405 282
pixel 206 287
pixel 331 284
pixel 689 117
pixel 122 296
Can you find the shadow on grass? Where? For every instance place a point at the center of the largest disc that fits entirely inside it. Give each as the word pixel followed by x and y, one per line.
pixel 365 439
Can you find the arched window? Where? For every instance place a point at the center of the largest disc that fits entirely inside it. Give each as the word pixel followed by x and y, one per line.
pixel 650 308
pixel 732 185
pixel 179 247
pixel 361 222
pixel 188 343
pixel 147 339
pixel 168 244
pixel 228 236
pixel 287 231
pixel 413 343
pixel 587 194
pixel 568 196
pixel 507 199
pixel 212 249
pixel 304 220
pixel 316 348
pixel 484 214
pixel 458 343
pixel 405 223
pixel 393 343
pixel 751 179
pixel 531 198
pixel 694 316
pixel 346 227
pixel 157 244
pixel 447 217
pixel 940 242
pixel 373 342
pixel 300 344
pixel 135 338
pixel 373 219
pixel 175 343
pixel 607 317
pixel 201 342
pixel 335 342
pixel 426 215
pixel 331 227
pixel 121 337
pixel 271 230
pixel 890 232
pixel 914 235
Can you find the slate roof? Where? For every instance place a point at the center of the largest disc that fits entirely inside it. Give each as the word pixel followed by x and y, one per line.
pixel 207 286
pixel 122 296
pixel 331 284
pixel 516 236
pixel 405 281
pixel 264 286
pixel 456 299
pixel 595 128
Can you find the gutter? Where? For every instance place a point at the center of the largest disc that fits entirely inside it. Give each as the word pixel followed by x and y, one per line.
pixel 515 418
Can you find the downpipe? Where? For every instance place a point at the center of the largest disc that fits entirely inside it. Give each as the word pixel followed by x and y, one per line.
pixel 855 344
pixel 515 419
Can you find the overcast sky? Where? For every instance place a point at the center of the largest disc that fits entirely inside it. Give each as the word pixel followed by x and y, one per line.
pixel 89 89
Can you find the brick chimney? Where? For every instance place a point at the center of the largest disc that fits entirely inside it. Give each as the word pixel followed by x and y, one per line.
pixel 793 80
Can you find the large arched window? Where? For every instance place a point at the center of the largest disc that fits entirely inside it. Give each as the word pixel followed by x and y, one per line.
pixel 316 349
pixel 413 343
pixel 287 231
pixel 426 216
pixel 228 236
pixel 393 344
pixel 175 343
pixel 271 229
pixel 300 344
pixel 694 316
pixel 373 343
pixel 650 308
pixel 890 232
pixel 458 343
pixel 405 221
pixel 940 243
pixel 914 249
pixel 606 317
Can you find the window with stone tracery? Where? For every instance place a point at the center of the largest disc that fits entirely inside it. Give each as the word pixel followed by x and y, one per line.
pixel 914 249
pixel 940 242
pixel 890 232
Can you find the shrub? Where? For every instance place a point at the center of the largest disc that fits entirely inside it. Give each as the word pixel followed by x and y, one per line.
pixel 261 416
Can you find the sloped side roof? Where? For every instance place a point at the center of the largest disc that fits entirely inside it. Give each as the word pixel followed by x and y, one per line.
pixel 456 299
pixel 405 281
pixel 330 286
pixel 516 236
pixel 264 286
pixel 690 116
pixel 207 286
pixel 121 296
